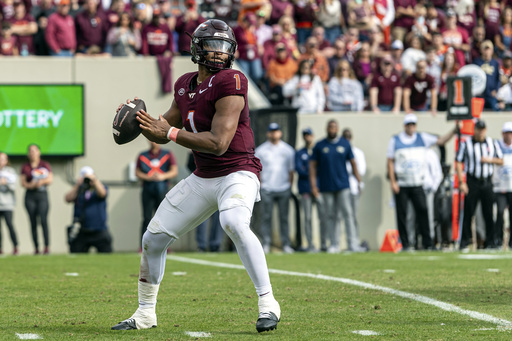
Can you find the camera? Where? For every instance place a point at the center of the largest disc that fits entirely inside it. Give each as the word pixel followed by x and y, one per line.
pixel 87 181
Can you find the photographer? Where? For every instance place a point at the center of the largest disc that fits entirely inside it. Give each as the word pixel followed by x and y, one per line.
pixel 90 214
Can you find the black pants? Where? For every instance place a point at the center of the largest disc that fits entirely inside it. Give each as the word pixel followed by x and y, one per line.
pixel 419 201
pixel 502 200
pixel 478 190
pixel 101 240
pixel 8 221
pixel 150 202
pixel 37 205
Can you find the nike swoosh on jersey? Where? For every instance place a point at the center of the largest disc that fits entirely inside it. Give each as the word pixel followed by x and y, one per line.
pixel 202 90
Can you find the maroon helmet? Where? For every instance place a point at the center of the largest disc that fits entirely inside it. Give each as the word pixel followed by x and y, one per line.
pixel 213 36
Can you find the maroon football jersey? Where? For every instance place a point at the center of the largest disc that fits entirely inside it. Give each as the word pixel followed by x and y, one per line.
pixel 197 107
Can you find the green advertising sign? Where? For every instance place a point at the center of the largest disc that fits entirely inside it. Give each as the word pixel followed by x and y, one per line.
pixel 51 116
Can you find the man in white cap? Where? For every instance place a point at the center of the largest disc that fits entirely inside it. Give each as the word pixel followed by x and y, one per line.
pixel 406 163
pixel 90 214
pixel 502 183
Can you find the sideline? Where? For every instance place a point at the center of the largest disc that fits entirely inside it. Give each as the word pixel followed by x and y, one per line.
pixel 422 299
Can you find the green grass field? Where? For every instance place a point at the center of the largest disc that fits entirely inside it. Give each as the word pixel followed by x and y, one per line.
pixel 322 297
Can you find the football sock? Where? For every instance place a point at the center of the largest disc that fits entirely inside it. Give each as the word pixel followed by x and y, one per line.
pixel 147 295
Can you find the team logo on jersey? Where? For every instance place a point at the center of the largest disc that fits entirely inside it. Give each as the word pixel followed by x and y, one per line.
pixel 340 149
pixel 202 90
pixel 325 150
pixel 181 91
pixel 191 95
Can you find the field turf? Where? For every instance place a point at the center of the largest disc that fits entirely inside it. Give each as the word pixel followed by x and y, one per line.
pixel 371 296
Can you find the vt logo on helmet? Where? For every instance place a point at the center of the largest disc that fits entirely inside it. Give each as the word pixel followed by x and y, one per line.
pixel 213 45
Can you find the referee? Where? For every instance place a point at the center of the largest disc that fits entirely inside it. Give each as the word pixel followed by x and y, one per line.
pixel 478 156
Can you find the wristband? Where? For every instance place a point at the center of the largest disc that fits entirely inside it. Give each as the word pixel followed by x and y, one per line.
pixel 172 134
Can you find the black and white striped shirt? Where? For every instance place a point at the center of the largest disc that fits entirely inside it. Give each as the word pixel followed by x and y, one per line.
pixel 471 153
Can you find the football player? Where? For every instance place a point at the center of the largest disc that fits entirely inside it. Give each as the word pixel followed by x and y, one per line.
pixel 210 115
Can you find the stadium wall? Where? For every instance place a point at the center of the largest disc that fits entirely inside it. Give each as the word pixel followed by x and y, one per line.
pixel 110 81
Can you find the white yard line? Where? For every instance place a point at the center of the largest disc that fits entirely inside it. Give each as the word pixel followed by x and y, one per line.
pixel 29 336
pixel 422 299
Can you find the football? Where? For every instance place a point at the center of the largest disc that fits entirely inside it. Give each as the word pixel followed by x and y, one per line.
pixel 125 127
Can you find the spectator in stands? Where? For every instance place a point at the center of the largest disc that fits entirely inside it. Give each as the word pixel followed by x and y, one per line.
pixel 249 57
pixel 91 27
pixel 476 41
pixel 506 67
pixel 339 55
pixel 438 45
pixel 378 47
pixel 415 91
pixel 456 37
pixel 412 55
pixel 280 70
pixel 89 196
pixel 187 22
pixel 304 14
pixel 404 18
pixel 141 15
pixel 8 46
pixel 113 13
pixel 252 6
pixel 363 66
pixel 319 65
pixel 269 47
pixel 434 18
pixel 278 161
pixel 420 28
pixel 503 40
pixel 345 92
pixel 331 19
pixel 490 13
pixel 124 39
pixel 60 32
pixel 157 39
pixel 491 67
pixel 8 180
pixel 449 68
pixel 280 8
pixel 41 13
pixel 324 45
pixel 397 49
pixel 263 31
pixel 433 65
pixel 7 7
pixel 384 16
pixel 466 15
pixel 504 97
pixel 362 16
pixel 385 88
pixel 36 176
pixel 23 27
pixel 290 35
pixel 352 43
pixel 305 90
pixel 302 157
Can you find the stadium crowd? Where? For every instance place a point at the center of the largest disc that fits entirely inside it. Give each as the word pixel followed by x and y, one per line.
pixel 317 55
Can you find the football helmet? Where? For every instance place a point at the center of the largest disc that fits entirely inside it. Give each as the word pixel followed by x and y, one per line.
pixel 213 36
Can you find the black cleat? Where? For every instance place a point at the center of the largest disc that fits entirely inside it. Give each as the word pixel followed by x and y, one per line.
pixel 127 325
pixel 266 322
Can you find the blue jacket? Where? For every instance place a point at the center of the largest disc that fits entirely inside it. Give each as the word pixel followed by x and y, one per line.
pixel 91 210
pixel 492 70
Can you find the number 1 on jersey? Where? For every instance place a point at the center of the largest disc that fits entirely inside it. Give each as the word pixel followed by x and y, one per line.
pixel 190 118
pixel 237 81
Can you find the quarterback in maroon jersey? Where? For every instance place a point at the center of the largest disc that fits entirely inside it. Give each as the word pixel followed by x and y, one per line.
pixel 209 115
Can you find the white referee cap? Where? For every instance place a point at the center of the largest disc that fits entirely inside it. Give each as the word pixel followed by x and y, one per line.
pixel 507 127
pixel 410 118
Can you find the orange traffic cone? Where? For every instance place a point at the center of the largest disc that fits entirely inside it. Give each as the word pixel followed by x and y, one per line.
pixel 391 242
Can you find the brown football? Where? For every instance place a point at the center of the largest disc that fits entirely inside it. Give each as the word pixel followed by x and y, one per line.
pixel 125 126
